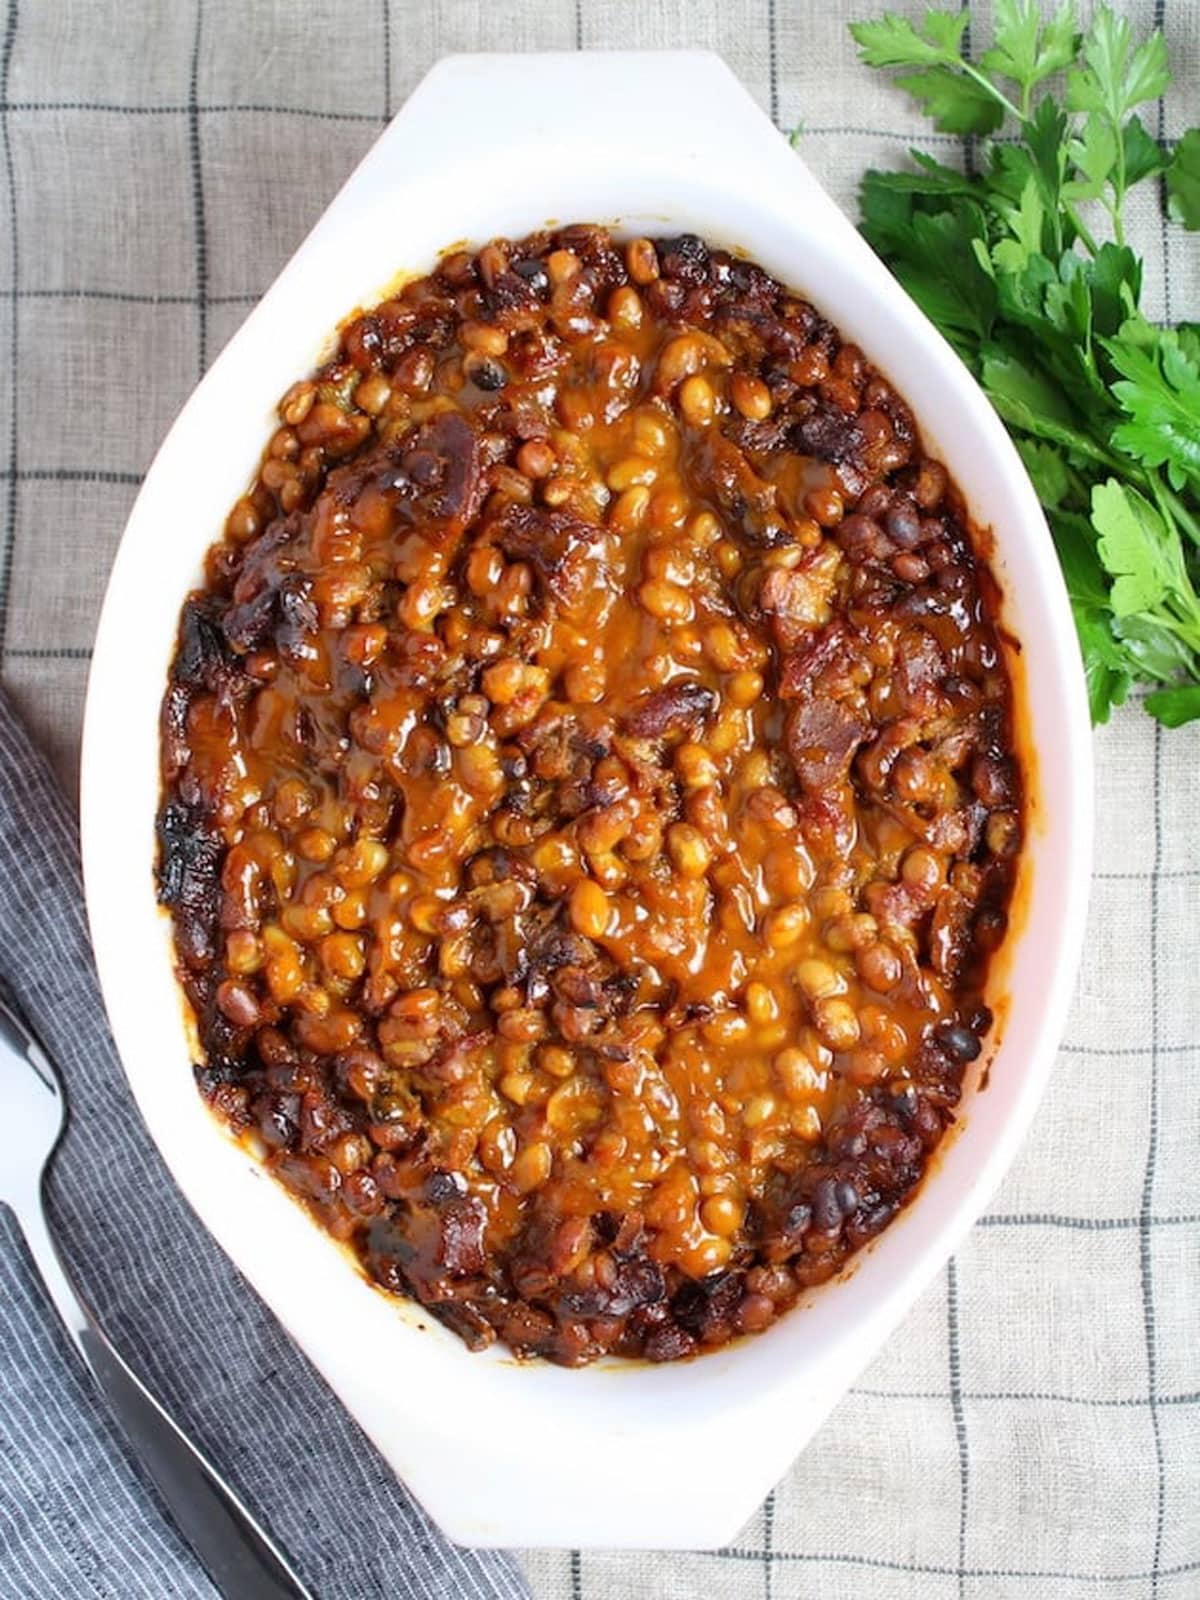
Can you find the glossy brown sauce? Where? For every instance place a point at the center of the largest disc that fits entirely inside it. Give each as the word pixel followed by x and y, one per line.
pixel 589 797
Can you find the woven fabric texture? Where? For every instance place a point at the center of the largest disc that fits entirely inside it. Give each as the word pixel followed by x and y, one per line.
pixel 1034 1428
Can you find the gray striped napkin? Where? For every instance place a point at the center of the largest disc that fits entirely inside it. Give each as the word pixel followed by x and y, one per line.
pixel 76 1518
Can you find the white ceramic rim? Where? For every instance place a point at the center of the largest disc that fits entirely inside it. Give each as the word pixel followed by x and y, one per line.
pixel 499 1452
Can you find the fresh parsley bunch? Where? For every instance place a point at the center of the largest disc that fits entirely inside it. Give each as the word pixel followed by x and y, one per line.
pixel 1104 406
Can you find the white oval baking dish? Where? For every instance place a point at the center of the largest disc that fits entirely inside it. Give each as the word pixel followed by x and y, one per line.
pixel 499 1452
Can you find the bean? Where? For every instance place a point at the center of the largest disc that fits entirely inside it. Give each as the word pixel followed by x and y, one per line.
pixel 238 1002
pixel 689 850
pixel 723 1215
pixel 824 506
pixel 484 338
pixel 922 868
pixel 797 1075
pixel 878 966
pixel 342 956
pixel 651 435
pixel 1003 833
pixel 836 1022
pixel 817 979
pixel 316 844
pixel 761 1003
pixel 786 927
pixel 695 766
pixel 697 401
pixel 633 470
pixel 373 394
pixel 745 689
pixel 243 952
pixel 243 522
pixel 641 261
pixel 590 910
pixel 536 459
pixel 750 396
pixel 531 1166
pixel 806 1124
pixel 628 511
pixel 297 402
pixel 958 1041
pixel 625 308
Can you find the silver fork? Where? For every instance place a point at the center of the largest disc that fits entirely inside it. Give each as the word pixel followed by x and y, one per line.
pixel 238 1555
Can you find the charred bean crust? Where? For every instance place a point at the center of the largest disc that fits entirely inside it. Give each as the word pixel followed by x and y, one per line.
pixel 584 577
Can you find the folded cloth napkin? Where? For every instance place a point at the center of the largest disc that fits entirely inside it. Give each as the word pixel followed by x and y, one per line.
pixel 76 1518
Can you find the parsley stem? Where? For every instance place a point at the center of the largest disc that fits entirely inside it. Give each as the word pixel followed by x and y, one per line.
pixel 1179 629
pixel 1082 445
pixel 1185 627
pixel 984 82
pixel 1113 207
pixel 1118 183
pixel 1173 508
pixel 1077 223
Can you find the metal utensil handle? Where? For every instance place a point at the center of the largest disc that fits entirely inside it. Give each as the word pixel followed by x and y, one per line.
pixel 238 1555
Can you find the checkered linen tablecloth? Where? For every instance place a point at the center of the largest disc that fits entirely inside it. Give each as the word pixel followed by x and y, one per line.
pixel 1033 1430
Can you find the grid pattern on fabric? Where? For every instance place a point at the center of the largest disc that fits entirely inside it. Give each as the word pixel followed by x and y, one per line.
pixel 1034 1427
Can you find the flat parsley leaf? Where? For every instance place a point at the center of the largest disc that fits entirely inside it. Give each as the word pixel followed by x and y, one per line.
pixel 1183 180
pixel 894 42
pixel 1115 276
pixel 958 100
pixel 1188 335
pixel 1143 155
pixel 1029 400
pixel 1105 665
pixel 1046 135
pixel 1134 548
pixel 1174 707
pixel 1052 478
pixel 932 180
pixel 1160 394
pixel 1025 51
pixel 956 104
pixel 1027 222
pixel 1116 78
pixel 942 272
pixel 1152 647
pixel 1095 155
